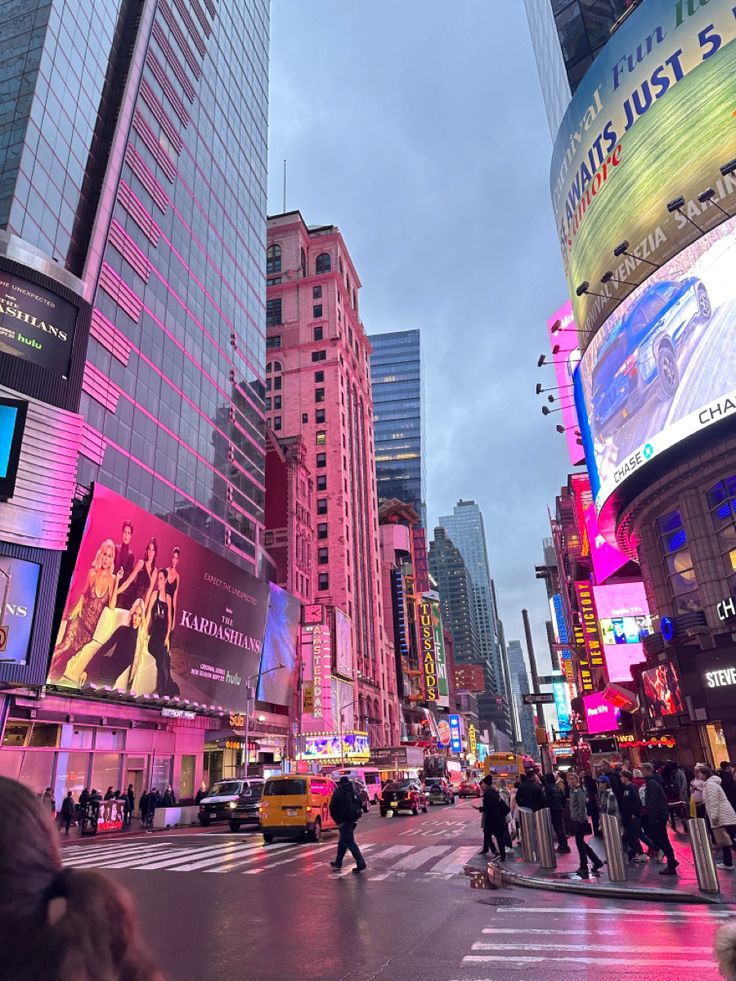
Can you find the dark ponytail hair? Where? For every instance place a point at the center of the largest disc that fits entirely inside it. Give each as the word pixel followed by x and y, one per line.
pixel 59 924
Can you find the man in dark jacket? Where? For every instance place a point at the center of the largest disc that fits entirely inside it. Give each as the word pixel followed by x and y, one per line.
pixel 728 783
pixel 130 803
pixel 345 810
pixel 631 817
pixel 494 811
pixel 658 810
pixel 530 794
pixel 555 801
pixel 67 811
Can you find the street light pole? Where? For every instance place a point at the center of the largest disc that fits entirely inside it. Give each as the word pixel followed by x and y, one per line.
pixel 250 703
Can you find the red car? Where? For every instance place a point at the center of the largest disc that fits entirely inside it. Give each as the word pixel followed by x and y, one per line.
pixel 470 788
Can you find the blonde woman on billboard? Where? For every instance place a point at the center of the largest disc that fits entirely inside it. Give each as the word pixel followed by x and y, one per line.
pixel 100 593
pixel 115 657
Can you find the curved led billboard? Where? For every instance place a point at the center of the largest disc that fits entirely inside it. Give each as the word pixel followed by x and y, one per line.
pixel 651 122
pixel 663 367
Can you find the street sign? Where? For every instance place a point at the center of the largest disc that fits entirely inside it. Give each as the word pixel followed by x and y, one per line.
pixel 543 698
pixel 552 679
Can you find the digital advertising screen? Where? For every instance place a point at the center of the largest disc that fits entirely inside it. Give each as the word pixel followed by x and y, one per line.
pixel 601 716
pixel 35 324
pixel 12 423
pixel 662 692
pixel 343 644
pixel 664 366
pixel 623 621
pixel 21 579
pixel 151 611
pixel 661 86
pixel 278 660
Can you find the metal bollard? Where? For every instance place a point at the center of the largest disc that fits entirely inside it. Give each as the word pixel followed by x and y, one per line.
pixel 705 867
pixel 614 847
pixel 528 845
pixel 544 838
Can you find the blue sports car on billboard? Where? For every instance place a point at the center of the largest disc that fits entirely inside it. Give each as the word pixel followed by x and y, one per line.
pixel 640 355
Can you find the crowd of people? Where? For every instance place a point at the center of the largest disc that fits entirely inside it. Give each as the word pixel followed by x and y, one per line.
pixel 645 800
pixel 72 813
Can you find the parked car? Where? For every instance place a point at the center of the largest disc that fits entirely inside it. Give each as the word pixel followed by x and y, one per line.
pixel 470 788
pixel 215 806
pixel 359 788
pixel 440 791
pixel 406 795
pixel 640 355
pixel 246 809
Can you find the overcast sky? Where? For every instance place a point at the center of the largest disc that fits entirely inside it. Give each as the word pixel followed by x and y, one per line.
pixel 418 128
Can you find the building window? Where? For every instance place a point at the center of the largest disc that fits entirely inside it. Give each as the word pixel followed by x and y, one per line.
pixel 268 404
pixel 277 383
pixel 323 581
pixel 277 402
pixel 321 481
pixel 319 331
pixel 277 423
pixel 321 459
pixel 322 556
pixel 319 415
pixel 269 368
pixel 323 263
pixel 277 366
pixel 319 395
pixel 273 311
pixel 273 341
pixel 317 310
pixel 678 562
pixel 340 266
pixel 316 292
pixel 321 437
pixel 322 530
pixel 269 384
pixel 319 376
pixel 303 261
pixel 722 504
pixel 321 505
pixel 319 355
pixel 305 418
pixel 273 259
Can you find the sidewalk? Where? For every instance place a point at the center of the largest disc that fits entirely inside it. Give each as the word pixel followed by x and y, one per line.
pixel 643 880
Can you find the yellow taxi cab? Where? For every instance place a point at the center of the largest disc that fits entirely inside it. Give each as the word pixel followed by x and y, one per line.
pixel 294 805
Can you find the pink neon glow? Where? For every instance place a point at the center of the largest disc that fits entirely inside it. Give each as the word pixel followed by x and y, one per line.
pixel 607 559
pixel 625 599
pixel 623 610
pixel 600 714
pixel 565 362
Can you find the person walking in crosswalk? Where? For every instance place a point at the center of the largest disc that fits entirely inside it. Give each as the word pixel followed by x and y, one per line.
pixel 346 810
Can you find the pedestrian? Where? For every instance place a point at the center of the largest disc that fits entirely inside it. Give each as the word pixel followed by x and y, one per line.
pixel 530 793
pixel 725 950
pixel 505 795
pixel 202 792
pixel 67 811
pixel 495 811
pixel 59 924
pixel 725 772
pixel 555 801
pixel 154 801
pixel 95 795
pixel 130 800
pixel 675 798
pixel 579 815
pixel 607 801
pixel 83 798
pixel 346 809
pixel 591 791
pixel 49 801
pixel 109 793
pixel 169 798
pixel 631 818
pixel 614 780
pixel 657 807
pixel 143 807
pixel 722 816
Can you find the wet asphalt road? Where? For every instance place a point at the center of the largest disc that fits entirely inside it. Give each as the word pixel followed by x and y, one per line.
pixel 217 906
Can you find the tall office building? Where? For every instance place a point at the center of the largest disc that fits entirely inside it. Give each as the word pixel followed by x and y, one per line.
pixel 133 217
pixel 520 685
pixel 398 407
pixel 466 529
pixel 319 387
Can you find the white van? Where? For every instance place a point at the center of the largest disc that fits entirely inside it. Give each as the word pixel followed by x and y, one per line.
pixel 214 806
pixel 368 774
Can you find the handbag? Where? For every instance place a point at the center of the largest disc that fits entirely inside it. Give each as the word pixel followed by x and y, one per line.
pixel 722 838
pixel 587 828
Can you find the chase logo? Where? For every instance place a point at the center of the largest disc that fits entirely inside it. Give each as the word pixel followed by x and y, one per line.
pixel 648 451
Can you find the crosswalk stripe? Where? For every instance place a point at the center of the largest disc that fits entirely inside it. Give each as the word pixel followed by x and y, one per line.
pixel 195 858
pixel 413 861
pixel 394 851
pixel 512 960
pixel 615 911
pixel 157 859
pixel 263 854
pixel 349 868
pixel 650 949
pixel 88 850
pixel 100 861
pixel 455 861
pixel 285 861
pixel 256 855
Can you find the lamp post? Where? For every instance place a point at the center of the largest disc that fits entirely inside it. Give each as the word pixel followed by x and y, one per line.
pixel 249 706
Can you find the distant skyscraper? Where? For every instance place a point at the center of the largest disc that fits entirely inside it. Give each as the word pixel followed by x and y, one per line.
pixel 398 416
pixel 455 586
pixel 520 686
pixel 466 529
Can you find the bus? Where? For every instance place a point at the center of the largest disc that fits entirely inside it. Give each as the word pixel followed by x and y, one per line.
pixel 508 766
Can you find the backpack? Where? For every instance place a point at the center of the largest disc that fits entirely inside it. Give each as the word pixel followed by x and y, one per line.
pixel 356 807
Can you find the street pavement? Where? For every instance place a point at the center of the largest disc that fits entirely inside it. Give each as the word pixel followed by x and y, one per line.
pixel 240 909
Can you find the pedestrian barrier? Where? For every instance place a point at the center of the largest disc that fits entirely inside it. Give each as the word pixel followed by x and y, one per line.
pixel 614 847
pixel 705 867
pixel 544 838
pixel 171 817
pixel 528 849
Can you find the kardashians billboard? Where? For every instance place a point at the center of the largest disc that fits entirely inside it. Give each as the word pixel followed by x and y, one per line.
pixel 151 611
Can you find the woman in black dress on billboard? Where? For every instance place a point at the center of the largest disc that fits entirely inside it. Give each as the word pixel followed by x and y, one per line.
pixel 172 585
pixel 159 629
pixel 139 583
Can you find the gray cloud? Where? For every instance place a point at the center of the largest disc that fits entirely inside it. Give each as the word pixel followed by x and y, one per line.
pixel 418 128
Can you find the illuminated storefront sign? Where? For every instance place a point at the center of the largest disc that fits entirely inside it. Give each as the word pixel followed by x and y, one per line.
pixel 421 559
pixel 629 741
pixel 456 742
pixel 624 622
pixel 327 746
pixel 726 609
pixel 472 739
pixel 317 690
pixel 427 651
pixel 591 636
pixel 721 678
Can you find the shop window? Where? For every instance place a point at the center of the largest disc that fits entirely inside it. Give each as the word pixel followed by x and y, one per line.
pixel 35 770
pixel 186 780
pixel 44 734
pixel 106 773
pixel 678 563
pixel 71 774
pixel 161 775
pixel 10 763
pixel 16 733
pixel 721 500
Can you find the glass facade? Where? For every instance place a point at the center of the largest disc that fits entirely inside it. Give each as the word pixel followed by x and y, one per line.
pixel 398 405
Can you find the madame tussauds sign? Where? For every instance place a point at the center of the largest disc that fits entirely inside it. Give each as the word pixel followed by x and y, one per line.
pixel 35 324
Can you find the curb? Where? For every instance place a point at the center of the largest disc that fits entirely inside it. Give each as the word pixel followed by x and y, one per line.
pixel 498 876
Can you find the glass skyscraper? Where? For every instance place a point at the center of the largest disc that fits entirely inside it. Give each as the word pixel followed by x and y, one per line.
pixel 134 157
pixel 398 407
